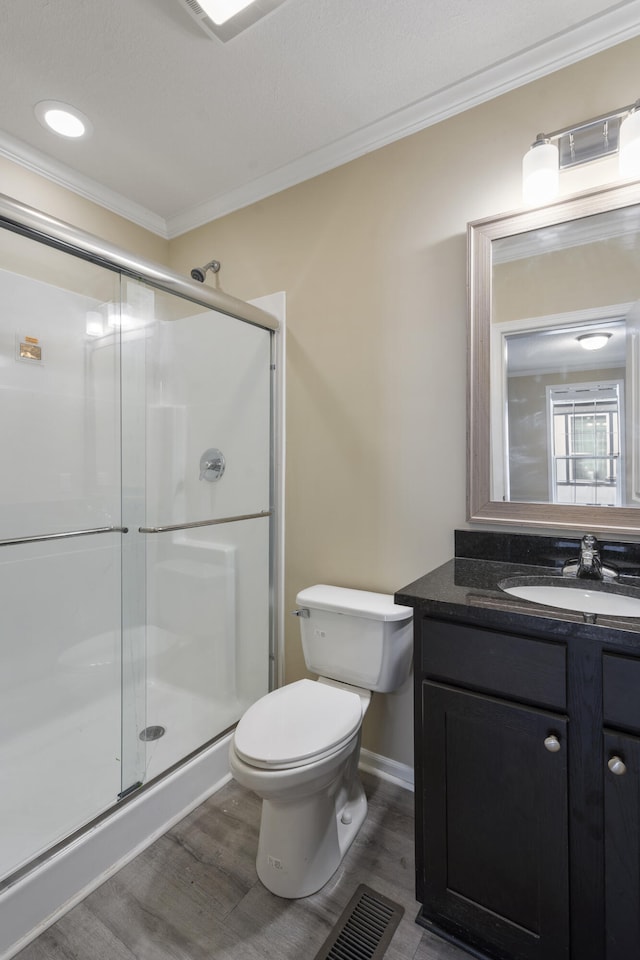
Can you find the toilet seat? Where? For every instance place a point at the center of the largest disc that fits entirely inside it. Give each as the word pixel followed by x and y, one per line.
pixel 297 724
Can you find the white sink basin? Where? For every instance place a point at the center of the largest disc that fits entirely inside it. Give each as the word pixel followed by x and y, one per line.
pixel 612 600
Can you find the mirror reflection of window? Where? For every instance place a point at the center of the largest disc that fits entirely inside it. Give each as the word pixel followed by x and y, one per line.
pixel 586 444
pixel 546 358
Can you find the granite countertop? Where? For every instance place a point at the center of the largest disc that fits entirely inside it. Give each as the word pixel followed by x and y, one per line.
pixel 466 590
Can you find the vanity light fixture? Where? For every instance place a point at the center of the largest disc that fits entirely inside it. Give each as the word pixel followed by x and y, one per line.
pixel 62 119
pixel 540 171
pixel 616 132
pixel 593 341
pixel 629 155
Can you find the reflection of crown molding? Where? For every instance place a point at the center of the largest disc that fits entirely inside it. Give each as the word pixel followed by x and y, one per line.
pixel 558 359
pixel 570 318
pixel 563 369
pixel 64 176
pixel 562 236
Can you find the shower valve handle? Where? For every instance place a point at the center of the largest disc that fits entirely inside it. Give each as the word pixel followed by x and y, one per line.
pixel 212 465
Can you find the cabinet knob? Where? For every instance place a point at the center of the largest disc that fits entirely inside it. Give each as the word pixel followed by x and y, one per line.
pixel 617 766
pixel 552 744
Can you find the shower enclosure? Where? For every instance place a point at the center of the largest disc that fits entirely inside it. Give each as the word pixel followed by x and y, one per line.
pixel 136 526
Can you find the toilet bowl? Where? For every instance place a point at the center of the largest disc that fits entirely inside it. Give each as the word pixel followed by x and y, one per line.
pixel 307 738
pixel 298 747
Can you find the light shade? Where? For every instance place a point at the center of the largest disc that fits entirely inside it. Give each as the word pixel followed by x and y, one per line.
pixel 629 151
pixel 540 172
pixel 593 341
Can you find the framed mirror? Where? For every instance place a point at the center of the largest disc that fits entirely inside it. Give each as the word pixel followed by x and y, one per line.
pixel 554 364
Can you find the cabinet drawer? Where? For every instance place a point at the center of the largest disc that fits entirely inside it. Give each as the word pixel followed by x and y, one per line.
pixel 500 663
pixel 621 691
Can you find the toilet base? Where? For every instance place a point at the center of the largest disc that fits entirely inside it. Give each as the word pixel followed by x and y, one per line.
pixel 302 843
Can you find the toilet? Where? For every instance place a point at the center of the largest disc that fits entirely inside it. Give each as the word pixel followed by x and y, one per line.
pixel 298 747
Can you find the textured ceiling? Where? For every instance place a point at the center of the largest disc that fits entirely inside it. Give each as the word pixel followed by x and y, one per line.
pixel 187 127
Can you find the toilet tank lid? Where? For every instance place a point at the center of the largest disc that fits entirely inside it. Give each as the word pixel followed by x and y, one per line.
pixel 357 603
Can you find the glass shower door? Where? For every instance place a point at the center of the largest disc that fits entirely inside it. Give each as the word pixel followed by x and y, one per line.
pixel 60 549
pixel 197 466
pixel 135 537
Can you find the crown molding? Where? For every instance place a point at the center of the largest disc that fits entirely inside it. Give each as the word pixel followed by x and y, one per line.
pixel 591 37
pixel 25 156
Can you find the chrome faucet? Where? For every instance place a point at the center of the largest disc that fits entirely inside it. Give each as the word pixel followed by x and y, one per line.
pixel 589 566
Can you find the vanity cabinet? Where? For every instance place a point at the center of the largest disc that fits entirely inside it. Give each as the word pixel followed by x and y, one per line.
pixel 492 798
pixel 527 760
pixel 495 822
pixel 621 708
pixel 622 846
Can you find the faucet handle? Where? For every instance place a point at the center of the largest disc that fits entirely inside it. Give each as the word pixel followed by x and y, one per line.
pixel 589 542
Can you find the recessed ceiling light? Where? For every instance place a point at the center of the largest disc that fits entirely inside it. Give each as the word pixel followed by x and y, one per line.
pixel 62 119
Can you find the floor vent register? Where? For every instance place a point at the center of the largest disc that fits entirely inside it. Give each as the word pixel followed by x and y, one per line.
pixel 364 929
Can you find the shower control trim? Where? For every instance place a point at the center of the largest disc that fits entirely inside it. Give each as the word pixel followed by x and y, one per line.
pixel 212 465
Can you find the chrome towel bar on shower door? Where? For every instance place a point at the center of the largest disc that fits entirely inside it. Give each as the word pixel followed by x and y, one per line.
pixel 204 523
pixel 62 536
pixel 15 541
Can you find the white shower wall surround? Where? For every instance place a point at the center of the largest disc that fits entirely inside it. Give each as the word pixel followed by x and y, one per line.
pixel 110 392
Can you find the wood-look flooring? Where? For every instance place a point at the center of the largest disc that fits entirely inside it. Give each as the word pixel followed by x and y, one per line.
pixel 194 893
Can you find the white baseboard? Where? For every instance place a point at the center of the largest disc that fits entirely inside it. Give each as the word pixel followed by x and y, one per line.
pixel 386 769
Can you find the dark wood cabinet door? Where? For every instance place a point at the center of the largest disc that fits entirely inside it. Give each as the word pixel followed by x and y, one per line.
pixel 494 822
pixel 622 846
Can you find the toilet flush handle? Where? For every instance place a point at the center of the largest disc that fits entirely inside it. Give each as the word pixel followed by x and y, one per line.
pixel 303 612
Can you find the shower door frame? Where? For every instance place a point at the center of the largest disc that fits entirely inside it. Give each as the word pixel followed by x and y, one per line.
pixel 26 221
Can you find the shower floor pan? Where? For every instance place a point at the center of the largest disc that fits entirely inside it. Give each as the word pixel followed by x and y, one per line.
pixel 58 776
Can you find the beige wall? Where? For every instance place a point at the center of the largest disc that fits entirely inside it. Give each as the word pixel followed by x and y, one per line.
pixel 44 195
pixel 582 277
pixel 372 257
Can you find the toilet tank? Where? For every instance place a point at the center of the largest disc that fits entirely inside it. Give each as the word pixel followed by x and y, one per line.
pixel 356 636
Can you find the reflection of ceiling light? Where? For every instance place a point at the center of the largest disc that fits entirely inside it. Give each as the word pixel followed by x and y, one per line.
pixel 94 323
pixel 593 341
pixel 62 119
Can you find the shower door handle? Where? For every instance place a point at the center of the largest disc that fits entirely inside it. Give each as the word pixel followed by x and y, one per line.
pixel 42 538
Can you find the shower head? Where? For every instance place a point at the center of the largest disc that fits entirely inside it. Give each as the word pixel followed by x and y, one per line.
pixel 198 273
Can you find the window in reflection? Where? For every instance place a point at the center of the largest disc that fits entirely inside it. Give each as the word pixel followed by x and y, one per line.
pixel 586 444
pixel 544 366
